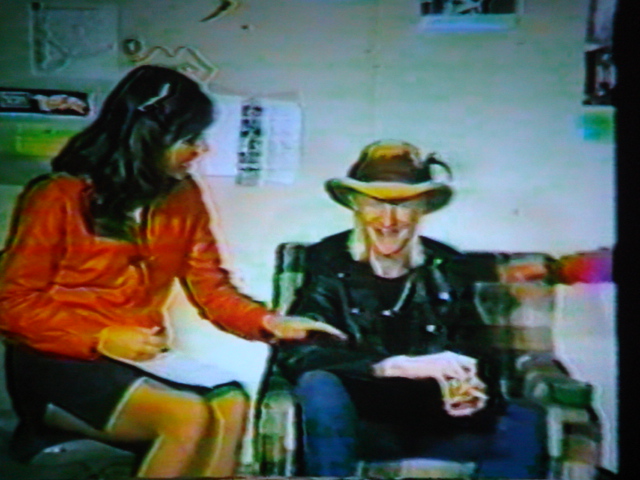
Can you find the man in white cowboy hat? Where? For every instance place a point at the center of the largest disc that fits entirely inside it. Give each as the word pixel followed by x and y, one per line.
pixel 410 381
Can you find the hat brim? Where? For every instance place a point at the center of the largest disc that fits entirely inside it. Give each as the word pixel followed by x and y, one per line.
pixel 435 194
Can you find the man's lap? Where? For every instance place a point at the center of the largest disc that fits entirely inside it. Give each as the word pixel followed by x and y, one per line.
pixel 404 422
pixel 515 448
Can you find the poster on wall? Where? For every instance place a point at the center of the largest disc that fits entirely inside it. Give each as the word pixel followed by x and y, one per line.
pixel 44 102
pixel 468 7
pixel 600 72
pixel 258 140
pixel 68 38
pixel 469 15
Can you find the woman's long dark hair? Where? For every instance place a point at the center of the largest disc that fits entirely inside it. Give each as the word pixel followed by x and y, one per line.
pixel 122 152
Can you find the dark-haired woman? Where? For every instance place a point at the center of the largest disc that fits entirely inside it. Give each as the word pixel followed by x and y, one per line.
pixel 92 254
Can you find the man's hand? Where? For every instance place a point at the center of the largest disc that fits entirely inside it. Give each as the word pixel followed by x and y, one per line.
pixel 463 392
pixel 463 398
pixel 297 328
pixel 441 366
pixel 131 343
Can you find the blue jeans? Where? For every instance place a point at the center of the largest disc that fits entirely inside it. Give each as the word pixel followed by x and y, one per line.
pixel 336 437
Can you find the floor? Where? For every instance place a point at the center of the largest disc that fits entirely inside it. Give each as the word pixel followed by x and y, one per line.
pixel 85 460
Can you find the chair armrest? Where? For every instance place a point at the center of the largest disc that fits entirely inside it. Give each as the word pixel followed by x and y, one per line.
pixel 278 384
pixel 275 430
pixel 565 391
pixel 277 413
pixel 547 381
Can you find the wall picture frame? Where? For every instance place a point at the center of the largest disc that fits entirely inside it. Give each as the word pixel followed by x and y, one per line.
pixel 599 68
pixel 469 15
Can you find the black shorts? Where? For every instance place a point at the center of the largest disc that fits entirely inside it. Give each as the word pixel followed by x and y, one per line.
pixel 92 390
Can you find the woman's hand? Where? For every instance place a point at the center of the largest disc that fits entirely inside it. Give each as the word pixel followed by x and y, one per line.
pixel 297 328
pixel 131 343
pixel 441 366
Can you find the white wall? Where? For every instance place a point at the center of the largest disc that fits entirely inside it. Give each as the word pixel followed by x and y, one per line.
pixel 585 338
pixel 503 108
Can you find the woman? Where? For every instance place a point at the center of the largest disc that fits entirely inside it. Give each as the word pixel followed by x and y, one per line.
pixel 91 257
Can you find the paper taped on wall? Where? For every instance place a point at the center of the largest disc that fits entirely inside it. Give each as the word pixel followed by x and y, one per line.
pixel 256 140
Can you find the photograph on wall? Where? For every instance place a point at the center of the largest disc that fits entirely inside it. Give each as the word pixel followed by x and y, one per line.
pixel 469 15
pixel 258 140
pixel 44 102
pixel 468 7
pixel 600 72
pixel 599 76
pixel 600 21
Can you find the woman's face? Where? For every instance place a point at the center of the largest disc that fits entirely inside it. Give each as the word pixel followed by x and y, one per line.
pixel 389 227
pixel 182 154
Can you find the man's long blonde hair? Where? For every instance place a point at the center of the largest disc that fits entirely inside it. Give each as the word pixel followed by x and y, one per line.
pixel 359 249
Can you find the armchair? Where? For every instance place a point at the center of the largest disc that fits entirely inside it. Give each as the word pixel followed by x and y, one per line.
pixel 518 326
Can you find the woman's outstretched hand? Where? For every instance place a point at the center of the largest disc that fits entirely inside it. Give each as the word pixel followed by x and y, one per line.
pixel 131 343
pixel 298 328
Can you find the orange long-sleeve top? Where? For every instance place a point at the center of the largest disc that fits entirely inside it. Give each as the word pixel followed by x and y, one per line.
pixel 61 285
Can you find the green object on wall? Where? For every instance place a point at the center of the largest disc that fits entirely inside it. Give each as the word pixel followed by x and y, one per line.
pixel 598 126
pixel 41 142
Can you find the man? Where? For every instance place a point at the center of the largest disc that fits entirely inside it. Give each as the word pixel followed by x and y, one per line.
pixel 410 381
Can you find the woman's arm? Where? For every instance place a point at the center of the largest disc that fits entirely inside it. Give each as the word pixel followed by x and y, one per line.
pixel 208 285
pixel 209 288
pixel 29 311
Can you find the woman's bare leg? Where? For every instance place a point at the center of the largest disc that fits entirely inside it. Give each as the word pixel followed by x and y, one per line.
pixel 220 449
pixel 175 421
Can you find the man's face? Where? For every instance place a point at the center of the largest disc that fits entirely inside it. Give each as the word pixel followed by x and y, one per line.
pixel 389 227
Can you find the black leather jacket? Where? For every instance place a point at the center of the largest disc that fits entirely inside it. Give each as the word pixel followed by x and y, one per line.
pixel 436 312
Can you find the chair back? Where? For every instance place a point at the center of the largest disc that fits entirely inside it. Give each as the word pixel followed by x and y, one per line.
pixel 289 274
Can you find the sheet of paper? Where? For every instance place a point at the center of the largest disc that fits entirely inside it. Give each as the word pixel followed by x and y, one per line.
pixel 283 132
pixel 273 140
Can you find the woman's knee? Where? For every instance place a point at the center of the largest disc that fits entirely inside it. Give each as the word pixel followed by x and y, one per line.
pixel 186 418
pixel 151 411
pixel 169 413
pixel 230 403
